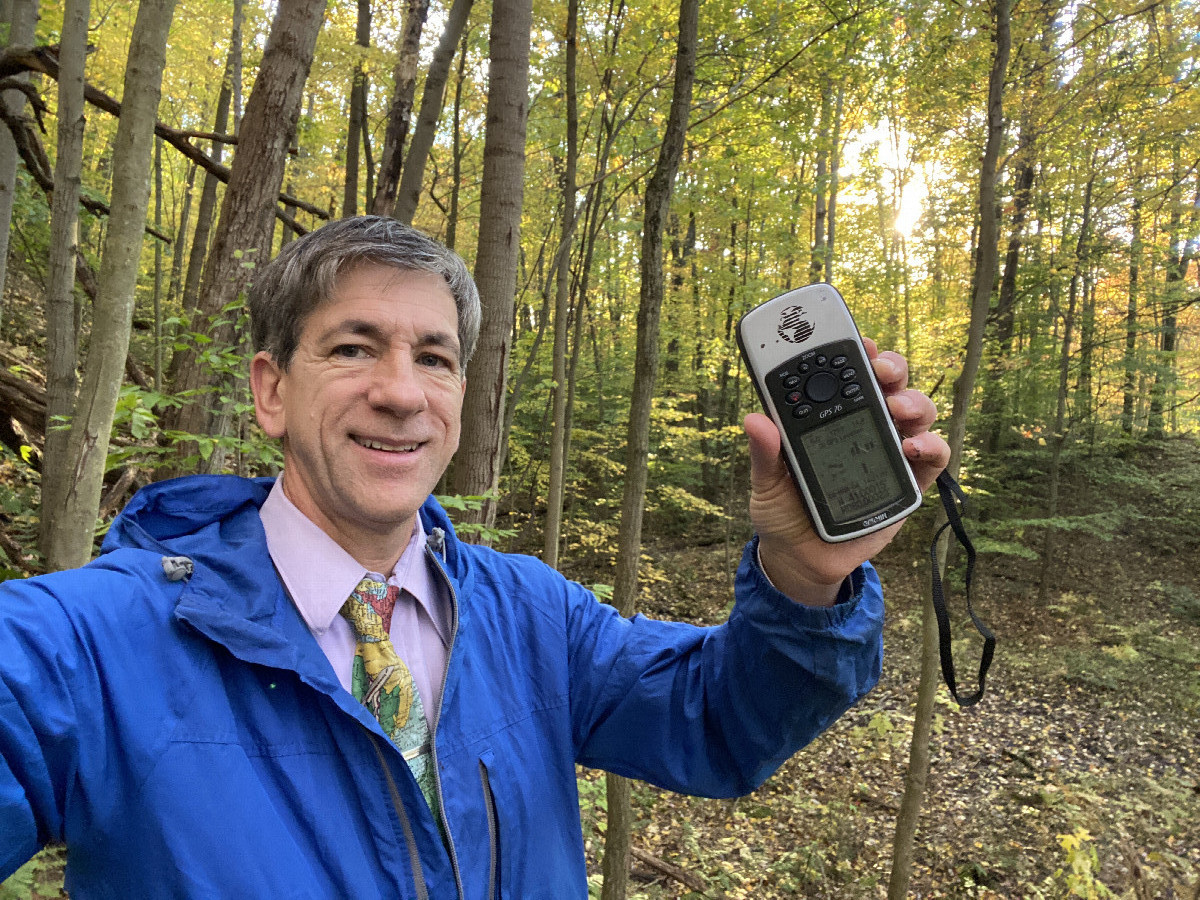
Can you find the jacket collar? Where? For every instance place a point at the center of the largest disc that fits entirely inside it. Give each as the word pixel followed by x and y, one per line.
pixel 234 596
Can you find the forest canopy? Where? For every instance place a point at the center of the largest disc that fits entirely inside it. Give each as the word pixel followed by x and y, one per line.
pixel 837 143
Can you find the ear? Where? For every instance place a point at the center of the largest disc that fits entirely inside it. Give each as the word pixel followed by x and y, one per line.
pixel 267 382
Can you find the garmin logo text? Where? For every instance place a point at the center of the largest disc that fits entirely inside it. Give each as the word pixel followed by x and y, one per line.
pixel 871 521
pixel 794 327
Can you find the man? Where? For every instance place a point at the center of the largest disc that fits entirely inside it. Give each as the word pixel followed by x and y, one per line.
pixel 217 706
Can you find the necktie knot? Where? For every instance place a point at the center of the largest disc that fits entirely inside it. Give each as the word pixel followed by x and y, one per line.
pixel 369 609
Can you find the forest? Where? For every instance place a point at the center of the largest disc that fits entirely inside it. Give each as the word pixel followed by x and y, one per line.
pixel 1007 192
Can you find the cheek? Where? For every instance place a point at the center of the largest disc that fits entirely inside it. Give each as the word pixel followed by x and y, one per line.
pixel 453 420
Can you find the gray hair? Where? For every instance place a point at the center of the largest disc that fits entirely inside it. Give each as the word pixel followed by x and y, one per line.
pixel 304 274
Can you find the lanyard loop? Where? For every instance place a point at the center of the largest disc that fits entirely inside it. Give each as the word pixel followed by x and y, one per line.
pixel 954 501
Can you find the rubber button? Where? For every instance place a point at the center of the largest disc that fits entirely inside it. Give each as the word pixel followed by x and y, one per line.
pixel 821 387
pixel 793 398
pixel 791 381
pixel 849 374
pixel 851 390
pixel 801 411
pixel 839 361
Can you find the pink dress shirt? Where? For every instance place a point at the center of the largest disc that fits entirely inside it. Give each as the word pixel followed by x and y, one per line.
pixel 319 575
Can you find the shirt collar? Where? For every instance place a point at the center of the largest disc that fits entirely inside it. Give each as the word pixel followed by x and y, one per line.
pixel 319 575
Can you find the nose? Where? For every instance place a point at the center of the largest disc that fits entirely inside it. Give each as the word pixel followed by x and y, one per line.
pixel 395 385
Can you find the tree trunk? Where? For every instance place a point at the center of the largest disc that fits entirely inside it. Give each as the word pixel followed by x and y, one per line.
pixel 1061 428
pixel 62 337
pixel 625 588
pixel 562 296
pixel 821 185
pixel 244 230
pixel 208 194
pixel 1177 264
pixel 69 543
pixel 995 409
pixel 180 240
pixel 835 166
pixel 986 264
pixel 477 467
pixel 458 150
pixel 413 176
pixel 404 77
pixel 358 109
pixel 996 413
pixel 1129 386
pixel 158 266
pixel 22 22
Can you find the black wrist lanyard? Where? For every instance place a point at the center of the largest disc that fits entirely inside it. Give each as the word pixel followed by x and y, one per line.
pixel 954 501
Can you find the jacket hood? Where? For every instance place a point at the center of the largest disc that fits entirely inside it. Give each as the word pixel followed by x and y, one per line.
pixel 161 514
pixel 213 517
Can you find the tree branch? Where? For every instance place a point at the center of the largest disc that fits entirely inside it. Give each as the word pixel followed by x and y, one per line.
pixel 45 61
pixel 687 879
pixel 37 163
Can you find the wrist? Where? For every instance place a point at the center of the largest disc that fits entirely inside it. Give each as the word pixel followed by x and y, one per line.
pixel 798 588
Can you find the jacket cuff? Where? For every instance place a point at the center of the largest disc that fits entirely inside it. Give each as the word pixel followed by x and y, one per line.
pixel 861 586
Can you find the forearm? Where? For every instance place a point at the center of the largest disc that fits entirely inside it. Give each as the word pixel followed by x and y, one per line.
pixel 715 711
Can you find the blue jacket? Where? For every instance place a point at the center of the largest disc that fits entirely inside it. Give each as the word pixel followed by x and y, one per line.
pixel 188 738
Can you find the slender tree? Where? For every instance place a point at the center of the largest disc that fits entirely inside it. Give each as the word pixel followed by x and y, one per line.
pixel 69 541
pixel 1133 296
pixel 61 336
pixel 358 109
pixel 243 237
pixel 404 90
pixel 177 255
pixel 986 264
pixel 208 194
pixel 21 18
pixel 562 296
pixel 413 174
pixel 637 442
pixel 501 200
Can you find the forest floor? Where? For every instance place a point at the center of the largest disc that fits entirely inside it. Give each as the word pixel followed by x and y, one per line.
pixel 1077 775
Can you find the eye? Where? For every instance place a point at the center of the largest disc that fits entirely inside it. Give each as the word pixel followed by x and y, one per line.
pixel 436 361
pixel 349 351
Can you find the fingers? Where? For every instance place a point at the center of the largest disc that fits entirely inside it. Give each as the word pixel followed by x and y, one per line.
pixel 927 453
pixel 912 412
pixel 891 371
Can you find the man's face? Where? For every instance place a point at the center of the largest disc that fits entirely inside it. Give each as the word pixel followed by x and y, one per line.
pixel 369 408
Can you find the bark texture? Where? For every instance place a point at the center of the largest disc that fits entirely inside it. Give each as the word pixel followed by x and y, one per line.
pixel 243 236
pixel 432 98
pixel 653 287
pixel 986 265
pixel 404 78
pixel 22 20
pixel 61 337
pixel 477 466
pixel 70 542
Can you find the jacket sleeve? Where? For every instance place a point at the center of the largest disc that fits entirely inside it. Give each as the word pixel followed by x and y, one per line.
pixel 39 727
pixel 715 711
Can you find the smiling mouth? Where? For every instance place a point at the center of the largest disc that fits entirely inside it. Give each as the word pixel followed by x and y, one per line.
pixel 387 447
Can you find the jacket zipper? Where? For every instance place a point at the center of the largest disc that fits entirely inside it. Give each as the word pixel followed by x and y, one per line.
pixel 489 800
pixel 437 769
pixel 414 856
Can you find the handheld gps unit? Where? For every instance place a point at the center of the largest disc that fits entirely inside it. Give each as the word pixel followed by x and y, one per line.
pixel 812 374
